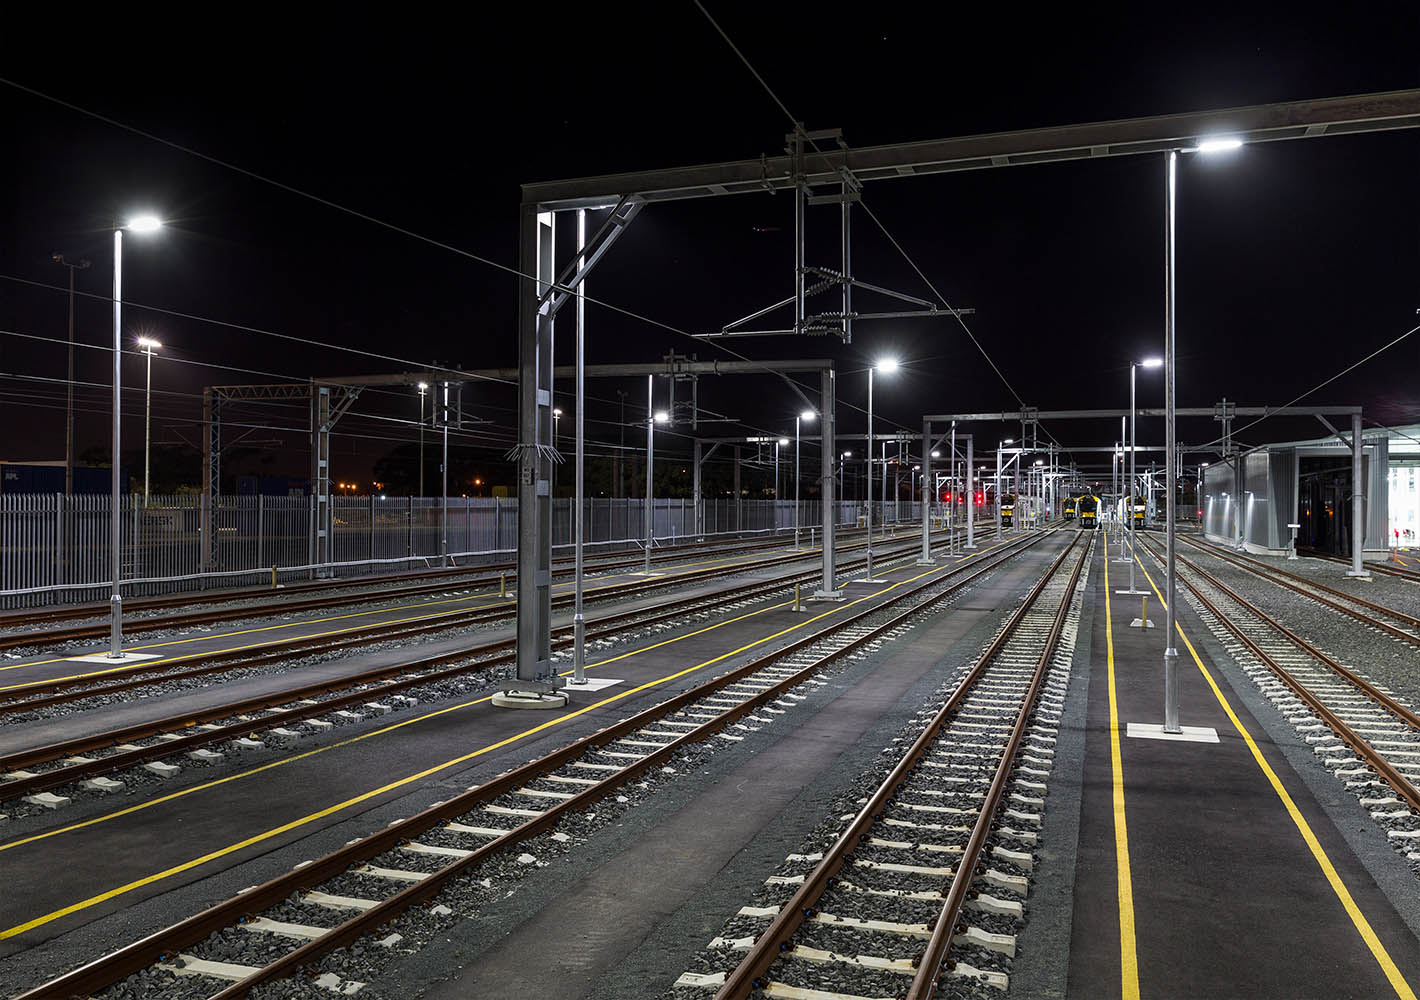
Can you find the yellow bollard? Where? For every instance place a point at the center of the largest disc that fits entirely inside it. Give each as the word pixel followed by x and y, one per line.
pixel 502 584
pixel 273 577
pixel 1143 620
pixel 797 605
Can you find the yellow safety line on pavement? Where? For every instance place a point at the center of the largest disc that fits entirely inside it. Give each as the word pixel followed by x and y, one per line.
pixel 487 600
pixel 365 796
pixel 1333 878
pixel 1128 956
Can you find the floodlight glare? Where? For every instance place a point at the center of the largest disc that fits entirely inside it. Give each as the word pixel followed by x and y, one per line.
pixel 847 454
pixel 783 442
pixel 936 454
pixel 887 365
pixel 1151 362
pixel 556 411
pixel 1009 441
pixel 149 343
pixel 144 224
pixel 807 416
pixel 423 386
pixel 662 417
pixel 1219 145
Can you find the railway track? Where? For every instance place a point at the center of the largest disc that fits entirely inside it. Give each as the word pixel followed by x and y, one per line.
pixel 1365 735
pixel 413 860
pixel 1411 573
pixel 1399 624
pixel 285 605
pixel 484 574
pixel 877 912
pixel 94 757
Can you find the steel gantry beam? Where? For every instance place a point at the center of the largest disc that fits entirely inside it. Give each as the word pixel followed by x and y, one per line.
pixel 1397 109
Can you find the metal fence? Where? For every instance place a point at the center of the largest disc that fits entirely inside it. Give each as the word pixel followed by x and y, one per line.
pixel 55 549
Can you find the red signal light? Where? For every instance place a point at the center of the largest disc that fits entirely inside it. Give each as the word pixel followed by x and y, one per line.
pixel 980 499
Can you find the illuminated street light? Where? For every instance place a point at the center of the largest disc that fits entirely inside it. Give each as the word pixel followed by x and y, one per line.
pixel 805 417
pixel 1133 487
pixel 887 366
pixel 149 345
pixel 423 388
pixel 141 224
pixel 1221 144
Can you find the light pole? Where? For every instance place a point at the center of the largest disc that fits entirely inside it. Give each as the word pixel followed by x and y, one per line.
pixel 149 345
pixel 423 388
pixel 71 267
pixel 1216 145
pixel 803 418
pixel 887 366
pixel 842 464
pixel 653 417
pixel 556 443
pixel 1133 447
pixel 141 224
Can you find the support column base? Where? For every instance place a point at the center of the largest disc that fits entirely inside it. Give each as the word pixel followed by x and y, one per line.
pixel 926 562
pixel 529 699
pixel 827 595
pixel 1363 575
pixel 1134 593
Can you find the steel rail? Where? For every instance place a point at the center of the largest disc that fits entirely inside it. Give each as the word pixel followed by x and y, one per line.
pixel 103 972
pixel 746 976
pixel 68 774
pixel 1386 568
pixel 1353 740
pixel 924 983
pixel 306 645
pixel 209 616
pixel 1270 574
pixel 490 574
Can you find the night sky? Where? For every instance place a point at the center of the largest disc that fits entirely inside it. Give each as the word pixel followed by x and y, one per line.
pixel 1296 259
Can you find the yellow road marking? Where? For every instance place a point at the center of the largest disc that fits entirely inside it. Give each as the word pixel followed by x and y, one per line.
pixel 1333 878
pixel 478 602
pixel 365 796
pixel 1128 956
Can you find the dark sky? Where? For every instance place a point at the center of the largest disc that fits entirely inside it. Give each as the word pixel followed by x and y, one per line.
pixel 1295 259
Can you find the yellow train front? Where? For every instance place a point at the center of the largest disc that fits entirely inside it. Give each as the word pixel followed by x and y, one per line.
pixel 1008 510
pixel 1069 512
pixel 1138 508
pixel 1088 508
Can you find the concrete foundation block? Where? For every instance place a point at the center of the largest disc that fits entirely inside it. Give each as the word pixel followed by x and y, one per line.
pixel 47 799
pixel 246 743
pixel 162 769
pixel 102 785
pixel 204 755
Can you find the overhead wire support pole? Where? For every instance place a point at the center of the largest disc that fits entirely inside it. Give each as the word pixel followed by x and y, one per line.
pixel 928 493
pixel 650 464
pixel 579 621
pixel 971 494
pixel 1171 722
pixel 115 530
pixel 1358 499
pixel 828 452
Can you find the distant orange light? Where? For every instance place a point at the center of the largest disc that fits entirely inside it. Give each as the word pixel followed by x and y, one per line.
pixel 478 482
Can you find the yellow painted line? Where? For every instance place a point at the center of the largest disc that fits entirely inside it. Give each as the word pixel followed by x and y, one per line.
pixel 1333 878
pixel 478 602
pixel 1128 955
pixel 365 796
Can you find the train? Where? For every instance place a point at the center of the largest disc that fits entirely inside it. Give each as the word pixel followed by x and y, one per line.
pixel 1068 513
pixel 1008 510
pixel 1088 508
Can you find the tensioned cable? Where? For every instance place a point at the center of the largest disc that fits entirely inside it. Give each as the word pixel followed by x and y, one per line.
pixel 794 122
pixel 378 222
pixel 1319 385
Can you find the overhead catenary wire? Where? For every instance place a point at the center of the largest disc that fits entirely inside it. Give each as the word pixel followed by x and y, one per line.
pixel 862 202
pixel 393 227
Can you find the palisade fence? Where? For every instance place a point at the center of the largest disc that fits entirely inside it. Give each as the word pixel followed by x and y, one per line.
pixel 55 549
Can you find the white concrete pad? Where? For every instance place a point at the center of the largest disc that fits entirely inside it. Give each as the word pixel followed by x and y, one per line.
pixel 105 658
pixel 161 769
pixel 102 785
pixel 47 799
pixel 1188 734
pixel 594 684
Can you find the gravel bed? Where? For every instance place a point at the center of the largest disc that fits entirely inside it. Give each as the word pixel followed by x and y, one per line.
pixel 852 941
pixel 242 947
pixel 1385 661
pixel 153 982
pixel 294 911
